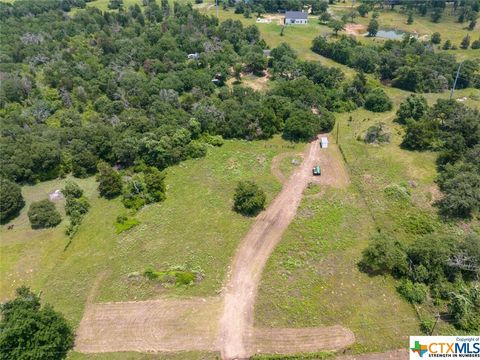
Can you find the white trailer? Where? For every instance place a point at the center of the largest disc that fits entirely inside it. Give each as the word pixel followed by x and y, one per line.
pixel 323 142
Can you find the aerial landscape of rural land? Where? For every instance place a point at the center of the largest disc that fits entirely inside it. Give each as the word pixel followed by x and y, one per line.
pixel 239 179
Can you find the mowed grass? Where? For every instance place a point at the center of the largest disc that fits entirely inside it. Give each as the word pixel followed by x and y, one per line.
pixel 194 227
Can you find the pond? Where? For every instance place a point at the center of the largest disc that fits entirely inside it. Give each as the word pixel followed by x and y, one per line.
pixel 390 34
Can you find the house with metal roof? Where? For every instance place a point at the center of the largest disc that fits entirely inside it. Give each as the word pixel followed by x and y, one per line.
pixel 296 17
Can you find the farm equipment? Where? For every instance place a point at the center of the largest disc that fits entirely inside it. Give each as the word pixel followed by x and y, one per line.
pixel 317 171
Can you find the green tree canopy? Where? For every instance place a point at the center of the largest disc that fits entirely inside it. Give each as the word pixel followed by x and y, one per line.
pixel 31 332
pixel 248 199
pixel 11 200
pixel 43 214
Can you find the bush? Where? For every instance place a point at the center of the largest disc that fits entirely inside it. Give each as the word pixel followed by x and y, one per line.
pixel 11 200
pixel 123 223
pixel 436 38
pixel 249 199
pixel 75 207
pixel 110 181
pixel 43 214
pixel 475 44
pixel 72 190
pixel 397 192
pixel 378 101
pixel 465 308
pixel 214 140
pixel 413 292
pixel 29 331
pixel 384 255
pixel 155 184
pixel 171 277
pixel 413 107
pixel 377 134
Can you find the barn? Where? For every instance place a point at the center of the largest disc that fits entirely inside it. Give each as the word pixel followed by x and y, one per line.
pixel 296 17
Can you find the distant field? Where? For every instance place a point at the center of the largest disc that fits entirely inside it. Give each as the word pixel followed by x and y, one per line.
pixel 396 19
pixel 194 227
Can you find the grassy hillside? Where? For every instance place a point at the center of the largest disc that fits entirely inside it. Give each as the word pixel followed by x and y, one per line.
pixel 194 227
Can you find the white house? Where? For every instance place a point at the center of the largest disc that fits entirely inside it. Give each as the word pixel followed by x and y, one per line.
pixel 323 142
pixel 296 17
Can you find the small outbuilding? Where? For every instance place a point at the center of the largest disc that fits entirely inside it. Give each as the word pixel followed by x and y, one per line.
pixel 296 17
pixel 324 142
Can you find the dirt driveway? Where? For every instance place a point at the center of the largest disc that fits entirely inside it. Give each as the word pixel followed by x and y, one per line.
pixel 256 247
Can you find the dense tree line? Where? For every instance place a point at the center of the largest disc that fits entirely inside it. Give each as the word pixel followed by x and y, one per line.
pixel 272 6
pixel 443 268
pixel 409 64
pixel 453 129
pixel 142 85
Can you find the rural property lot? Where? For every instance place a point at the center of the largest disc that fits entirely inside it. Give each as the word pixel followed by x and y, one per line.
pixel 192 324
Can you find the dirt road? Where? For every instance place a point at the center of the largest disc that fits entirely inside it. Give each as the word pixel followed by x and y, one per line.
pixel 241 288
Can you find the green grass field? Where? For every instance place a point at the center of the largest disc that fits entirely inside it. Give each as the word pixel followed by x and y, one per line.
pixel 194 227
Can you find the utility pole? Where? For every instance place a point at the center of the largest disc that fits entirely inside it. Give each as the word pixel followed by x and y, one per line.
pixel 216 5
pixel 455 82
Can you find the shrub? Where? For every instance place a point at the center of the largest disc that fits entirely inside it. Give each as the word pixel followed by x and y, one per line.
pixel 249 199
pixel 214 140
pixel 43 214
pixel 465 308
pixel 11 200
pixel 413 292
pixel 154 184
pixel 110 181
pixel 171 277
pixel 436 38
pixel 397 192
pixel 123 223
pixel 475 44
pixel 378 101
pixel 384 255
pixel 465 42
pixel 75 206
pixel 72 190
pixel 413 107
pixel 377 134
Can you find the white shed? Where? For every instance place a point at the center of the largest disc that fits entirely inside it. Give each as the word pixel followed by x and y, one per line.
pixel 323 142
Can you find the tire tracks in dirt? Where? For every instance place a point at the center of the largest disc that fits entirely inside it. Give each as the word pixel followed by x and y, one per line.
pixel 255 249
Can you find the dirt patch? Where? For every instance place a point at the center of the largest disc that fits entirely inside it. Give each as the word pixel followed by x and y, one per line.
pixel 334 172
pixel 355 29
pixel 293 341
pixel 275 167
pixel 144 326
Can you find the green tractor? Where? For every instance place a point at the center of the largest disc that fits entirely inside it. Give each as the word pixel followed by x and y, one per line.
pixel 316 171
